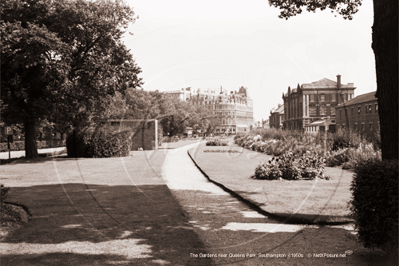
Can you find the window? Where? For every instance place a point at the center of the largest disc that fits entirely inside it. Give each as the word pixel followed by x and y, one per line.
pixel 332 110
pixel 322 98
pixel 362 126
pixel 340 113
pixel 370 126
pixel 366 109
pixel 352 111
pixel 343 126
pixel 334 97
pixel 323 110
pixel 358 110
pixel 355 126
pixel 376 108
pixel 311 97
pixel 328 97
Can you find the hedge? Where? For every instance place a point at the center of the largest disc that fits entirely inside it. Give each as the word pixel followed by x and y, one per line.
pixel 97 142
pixel 374 203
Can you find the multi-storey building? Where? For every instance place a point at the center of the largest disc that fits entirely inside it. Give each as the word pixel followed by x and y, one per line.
pixel 276 117
pixel 234 108
pixel 359 114
pixel 314 101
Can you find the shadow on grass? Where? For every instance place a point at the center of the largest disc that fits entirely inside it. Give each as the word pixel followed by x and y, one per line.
pixel 80 224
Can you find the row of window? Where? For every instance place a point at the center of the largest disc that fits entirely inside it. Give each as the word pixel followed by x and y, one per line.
pixel 362 127
pixel 367 108
pixel 323 97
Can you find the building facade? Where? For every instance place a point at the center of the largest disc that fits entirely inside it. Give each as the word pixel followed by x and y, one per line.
pixel 314 101
pixel 320 126
pixel 234 108
pixel 265 123
pixel 359 114
pixel 276 117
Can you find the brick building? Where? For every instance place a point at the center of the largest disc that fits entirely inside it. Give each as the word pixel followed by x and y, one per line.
pixel 359 114
pixel 314 101
pixel 235 108
pixel 276 117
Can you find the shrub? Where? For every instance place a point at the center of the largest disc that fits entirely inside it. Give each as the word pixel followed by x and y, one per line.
pixel 4 193
pixel 102 141
pixel 350 157
pixel 374 203
pixel 290 166
pixel 216 142
pixel 337 158
pixel 229 151
pixel 346 139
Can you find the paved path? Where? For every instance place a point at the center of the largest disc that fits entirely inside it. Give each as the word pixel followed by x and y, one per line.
pixel 225 224
pixel 18 154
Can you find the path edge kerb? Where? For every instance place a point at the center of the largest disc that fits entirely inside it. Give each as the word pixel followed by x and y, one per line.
pixel 287 219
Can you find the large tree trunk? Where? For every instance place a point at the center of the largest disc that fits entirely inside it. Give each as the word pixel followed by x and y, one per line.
pixel 30 140
pixel 385 46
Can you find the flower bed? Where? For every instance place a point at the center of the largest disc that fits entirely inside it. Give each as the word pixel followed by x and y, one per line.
pixel 341 149
pixel 349 158
pixel 229 151
pixel 216 142
pixel 292 166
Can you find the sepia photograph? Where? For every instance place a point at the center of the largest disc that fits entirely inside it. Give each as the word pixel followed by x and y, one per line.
pixel 149 132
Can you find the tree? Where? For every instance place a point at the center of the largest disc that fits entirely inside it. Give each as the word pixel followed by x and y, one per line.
pixel 30 70
pixel 64 61
pixel 385 47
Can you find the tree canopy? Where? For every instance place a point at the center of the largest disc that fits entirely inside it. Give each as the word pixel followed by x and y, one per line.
pixel 63 61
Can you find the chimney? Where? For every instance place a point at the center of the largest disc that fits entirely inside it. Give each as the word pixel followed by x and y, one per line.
pixel 338 81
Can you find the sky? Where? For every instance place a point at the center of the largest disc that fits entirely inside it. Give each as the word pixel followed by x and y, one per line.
pixel 229 43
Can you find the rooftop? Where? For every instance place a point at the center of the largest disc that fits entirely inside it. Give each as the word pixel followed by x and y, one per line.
pixel 279 109
pixel 367 97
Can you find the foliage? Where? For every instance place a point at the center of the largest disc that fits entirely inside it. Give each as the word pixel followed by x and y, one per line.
pixel 228 151
pixel 346 139
pixel 63 61
pixel 348 158
pixel 292 167
pixel 102 141
pixel 216 142
pixel 292 8
pixel 170 139
pixel 374 203
pixel 4 193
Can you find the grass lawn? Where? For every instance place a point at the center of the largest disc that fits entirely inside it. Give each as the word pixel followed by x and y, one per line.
pixel 305 201
pixel 103 211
